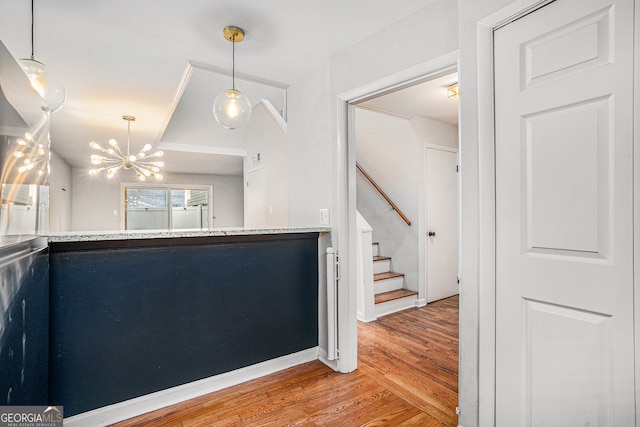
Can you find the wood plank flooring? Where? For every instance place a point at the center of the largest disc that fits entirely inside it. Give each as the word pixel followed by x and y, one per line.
pixel 391 295
pixel 407 376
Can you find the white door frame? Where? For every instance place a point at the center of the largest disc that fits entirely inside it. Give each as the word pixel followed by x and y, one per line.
pixel 486 201
pixel 636 196
pixel 346 191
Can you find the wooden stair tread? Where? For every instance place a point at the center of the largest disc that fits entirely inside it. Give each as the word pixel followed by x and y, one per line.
pixel 391 295
pixel 380 258
pixel 386 275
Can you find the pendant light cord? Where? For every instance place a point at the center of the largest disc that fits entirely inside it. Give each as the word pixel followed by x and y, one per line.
pixel 233 62
pixel 128 136
pixel 32 29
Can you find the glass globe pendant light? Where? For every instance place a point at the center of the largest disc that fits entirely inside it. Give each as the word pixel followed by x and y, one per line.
pixel 44 80
pixel 231 108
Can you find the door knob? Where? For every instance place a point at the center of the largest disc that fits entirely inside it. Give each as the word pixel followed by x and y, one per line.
pixel 432 233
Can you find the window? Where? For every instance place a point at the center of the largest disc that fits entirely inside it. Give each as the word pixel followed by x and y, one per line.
pixel 162 208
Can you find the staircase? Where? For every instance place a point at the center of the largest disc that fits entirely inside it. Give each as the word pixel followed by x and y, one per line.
pixel 389 292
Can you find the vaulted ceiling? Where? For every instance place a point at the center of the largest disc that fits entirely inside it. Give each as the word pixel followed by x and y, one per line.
pixel 164 61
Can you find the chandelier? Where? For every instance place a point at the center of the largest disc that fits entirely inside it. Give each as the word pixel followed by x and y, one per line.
pixel 32 153
pixel 114 159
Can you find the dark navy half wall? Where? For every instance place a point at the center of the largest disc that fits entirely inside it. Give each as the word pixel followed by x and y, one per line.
pixel 129 318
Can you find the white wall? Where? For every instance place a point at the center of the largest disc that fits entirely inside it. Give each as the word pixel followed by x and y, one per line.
pixel 95 198
pixel 312 162
pixel 435 132
pixel 312 117
pixel 316 140
pixel 60 191
pixel 388 149
pixel 266 135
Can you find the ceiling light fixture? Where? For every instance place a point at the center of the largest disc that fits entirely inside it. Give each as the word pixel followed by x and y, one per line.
pixel 453 91
pixel 117 160
pixel 231 108
pixel 44 80
pixel 33 153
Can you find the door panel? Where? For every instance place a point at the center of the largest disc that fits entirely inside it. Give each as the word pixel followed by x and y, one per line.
pixel 442 219
pixel 566 194
pixel 256 199
pixel 564 278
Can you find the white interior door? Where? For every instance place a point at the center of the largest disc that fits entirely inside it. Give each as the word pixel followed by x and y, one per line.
pixel 256 199
pixel 564 278
pixel 442 223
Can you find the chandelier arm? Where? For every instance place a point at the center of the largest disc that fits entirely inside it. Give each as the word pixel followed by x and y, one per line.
pixel 97 146
pixel 138 169
pixel 117 150
pixel 116 169
pixel 146 164
pixel 104 168
pixel 112 162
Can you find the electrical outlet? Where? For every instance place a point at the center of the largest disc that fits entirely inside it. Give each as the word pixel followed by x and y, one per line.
pixel 324 216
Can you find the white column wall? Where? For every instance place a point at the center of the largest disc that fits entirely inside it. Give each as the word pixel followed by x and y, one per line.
pixel 266 136
pixel 315 134
pixel 60 191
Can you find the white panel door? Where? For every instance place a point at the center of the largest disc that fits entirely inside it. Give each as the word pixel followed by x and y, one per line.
pixel 442 223
pixel 564 278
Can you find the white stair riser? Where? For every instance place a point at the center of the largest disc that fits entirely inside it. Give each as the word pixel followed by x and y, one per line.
pixel 375 247
pixel 381 266
pixel 395 305
pixel 387 285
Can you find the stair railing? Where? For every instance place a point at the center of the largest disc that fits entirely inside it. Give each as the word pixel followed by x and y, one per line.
pixel 383 194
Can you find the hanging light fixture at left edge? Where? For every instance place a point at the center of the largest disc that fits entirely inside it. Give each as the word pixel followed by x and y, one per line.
pixel 44 80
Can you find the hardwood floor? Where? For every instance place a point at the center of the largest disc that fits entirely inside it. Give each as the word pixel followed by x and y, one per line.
pixel 407 376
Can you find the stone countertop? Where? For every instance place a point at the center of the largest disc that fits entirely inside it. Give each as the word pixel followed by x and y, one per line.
pixel 89 236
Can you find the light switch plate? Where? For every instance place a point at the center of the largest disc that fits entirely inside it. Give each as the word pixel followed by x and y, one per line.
pixel 324 216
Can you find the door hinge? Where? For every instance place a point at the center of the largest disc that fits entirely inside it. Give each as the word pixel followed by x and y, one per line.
pixel 457 168
pixel 337 266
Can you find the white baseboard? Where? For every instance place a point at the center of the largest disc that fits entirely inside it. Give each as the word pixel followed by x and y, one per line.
pixel 154 401
pixel 361 317
pixel 421 302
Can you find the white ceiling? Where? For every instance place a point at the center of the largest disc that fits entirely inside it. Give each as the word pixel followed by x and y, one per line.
pixel 164 61
pixel 428 99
